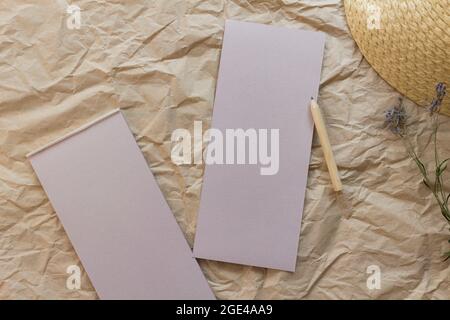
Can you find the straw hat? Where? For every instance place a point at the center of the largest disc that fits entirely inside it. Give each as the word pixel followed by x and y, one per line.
pixel 406 41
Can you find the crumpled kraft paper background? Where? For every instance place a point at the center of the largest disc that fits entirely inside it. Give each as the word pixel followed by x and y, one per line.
pixel 158 62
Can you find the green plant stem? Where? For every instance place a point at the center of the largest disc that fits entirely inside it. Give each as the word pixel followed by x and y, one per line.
pixel 439 184
pixel 437 188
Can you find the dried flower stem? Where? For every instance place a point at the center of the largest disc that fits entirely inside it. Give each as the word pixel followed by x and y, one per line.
pixel 396 122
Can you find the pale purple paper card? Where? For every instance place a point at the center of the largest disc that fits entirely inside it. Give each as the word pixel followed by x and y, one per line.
pixel 116 216
pixel 267 77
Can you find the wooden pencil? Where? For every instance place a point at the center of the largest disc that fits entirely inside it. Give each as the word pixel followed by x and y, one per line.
pixel 326 146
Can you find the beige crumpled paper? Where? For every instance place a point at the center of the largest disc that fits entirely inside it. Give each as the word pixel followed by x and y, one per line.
pixel 158 62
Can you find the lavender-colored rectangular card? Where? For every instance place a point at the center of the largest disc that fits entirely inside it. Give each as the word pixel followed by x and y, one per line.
pixel 116 216
pixel 267 77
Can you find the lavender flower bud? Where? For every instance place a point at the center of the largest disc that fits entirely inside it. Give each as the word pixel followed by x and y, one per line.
pixel 441 91
pixel 395 119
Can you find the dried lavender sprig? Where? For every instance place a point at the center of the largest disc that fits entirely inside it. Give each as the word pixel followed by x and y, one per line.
pixel 395 119
pixel 441 91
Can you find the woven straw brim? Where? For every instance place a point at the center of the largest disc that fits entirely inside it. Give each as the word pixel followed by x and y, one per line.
pixel 408 45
